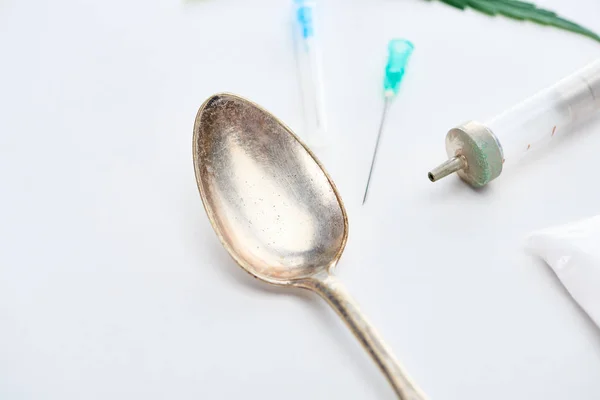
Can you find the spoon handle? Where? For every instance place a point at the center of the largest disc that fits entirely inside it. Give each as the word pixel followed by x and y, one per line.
pixel 332 290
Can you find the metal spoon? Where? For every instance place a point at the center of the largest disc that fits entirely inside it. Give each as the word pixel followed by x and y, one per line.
pixel 278 213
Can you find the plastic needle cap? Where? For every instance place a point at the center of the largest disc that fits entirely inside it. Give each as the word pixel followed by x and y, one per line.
pixel 399 51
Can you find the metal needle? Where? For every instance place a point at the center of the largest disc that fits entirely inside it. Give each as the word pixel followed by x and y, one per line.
pixel 386 105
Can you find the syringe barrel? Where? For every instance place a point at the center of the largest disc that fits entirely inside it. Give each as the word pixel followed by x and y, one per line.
pixel 548 114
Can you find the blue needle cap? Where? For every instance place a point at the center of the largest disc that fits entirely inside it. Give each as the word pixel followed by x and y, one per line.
pixel 399 51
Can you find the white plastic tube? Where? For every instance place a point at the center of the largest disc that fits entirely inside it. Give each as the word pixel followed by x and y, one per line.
pixel 573 253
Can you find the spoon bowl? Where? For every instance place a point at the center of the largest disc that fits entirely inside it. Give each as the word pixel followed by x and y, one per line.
pixel 273 206
pixel 278 213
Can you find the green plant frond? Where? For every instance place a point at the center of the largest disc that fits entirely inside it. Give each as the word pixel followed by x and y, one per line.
pixel 522 11
pixel 460 4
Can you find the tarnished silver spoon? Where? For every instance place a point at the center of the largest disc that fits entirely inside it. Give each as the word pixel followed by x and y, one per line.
pixel 278 213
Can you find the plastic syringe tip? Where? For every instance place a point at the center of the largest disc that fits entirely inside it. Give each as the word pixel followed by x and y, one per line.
pixel 399 51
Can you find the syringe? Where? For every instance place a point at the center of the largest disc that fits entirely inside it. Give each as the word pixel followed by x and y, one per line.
pixel 399 51
pixel 478 152
pixel 308 59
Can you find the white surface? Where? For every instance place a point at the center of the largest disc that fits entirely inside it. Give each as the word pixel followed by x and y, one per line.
pixel 572 252
pixel 113 285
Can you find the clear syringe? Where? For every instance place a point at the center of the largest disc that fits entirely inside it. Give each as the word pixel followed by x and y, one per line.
pixel 478 151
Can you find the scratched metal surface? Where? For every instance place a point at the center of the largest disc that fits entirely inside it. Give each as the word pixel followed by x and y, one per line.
pixel 271 203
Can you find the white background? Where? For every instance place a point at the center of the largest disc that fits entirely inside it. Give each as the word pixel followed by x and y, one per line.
pixel 114 286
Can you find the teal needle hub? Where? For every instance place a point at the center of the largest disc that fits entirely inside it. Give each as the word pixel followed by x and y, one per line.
pixel 399 51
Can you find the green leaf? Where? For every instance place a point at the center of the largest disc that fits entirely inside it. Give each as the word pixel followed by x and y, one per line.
pixel 485 8
pixel 518 4
pixel 523 11
pixel 512 11
pixel 460 4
